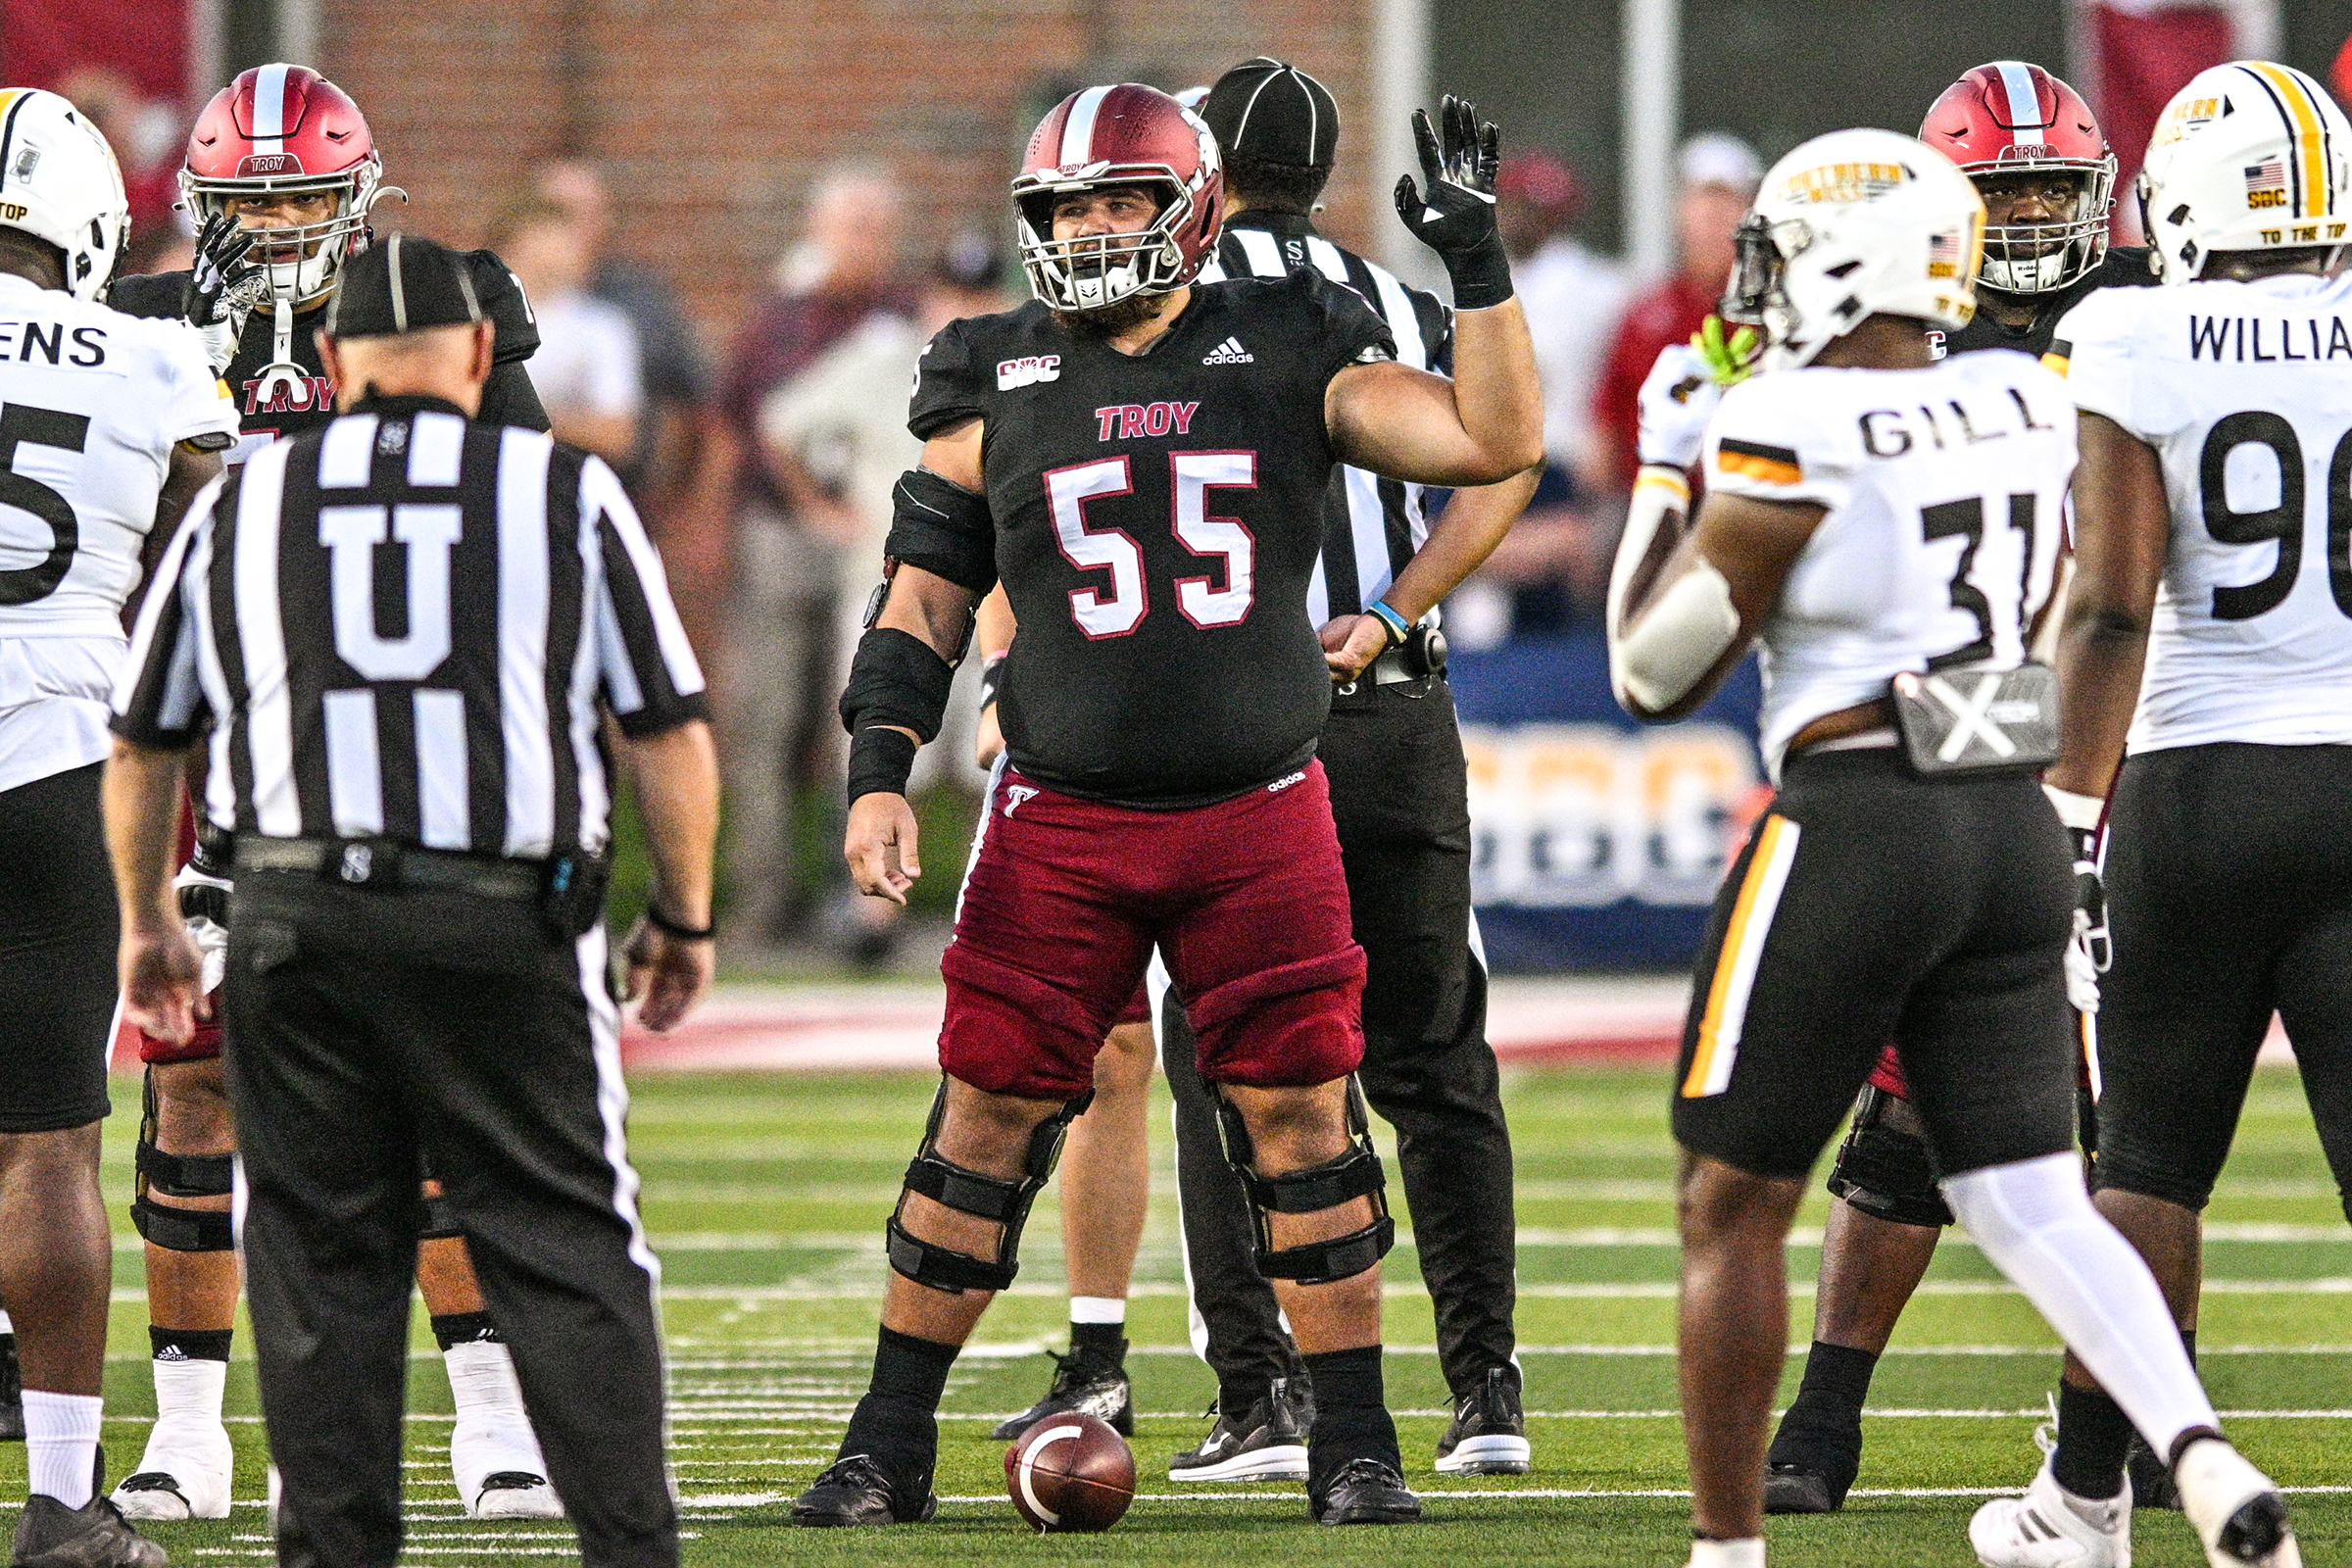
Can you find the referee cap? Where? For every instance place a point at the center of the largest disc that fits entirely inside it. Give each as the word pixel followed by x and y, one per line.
pixel 1271 111
pixel 405 284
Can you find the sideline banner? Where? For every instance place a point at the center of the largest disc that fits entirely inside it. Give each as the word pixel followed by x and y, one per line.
pixel 1597 843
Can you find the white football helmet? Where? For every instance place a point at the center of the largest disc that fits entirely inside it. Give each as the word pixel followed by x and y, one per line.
pixel 59 183
pixel 2249 156
pixel 1853 224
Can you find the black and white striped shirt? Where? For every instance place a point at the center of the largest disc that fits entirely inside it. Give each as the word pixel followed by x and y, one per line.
pixel 407 625
pixel 1371 525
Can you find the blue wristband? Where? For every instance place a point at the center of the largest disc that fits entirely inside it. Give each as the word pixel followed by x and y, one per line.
pixel 1398 628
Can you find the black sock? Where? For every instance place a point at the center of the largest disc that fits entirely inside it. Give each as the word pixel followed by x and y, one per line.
pixel 1823 1430
pixel 466 1328
pixel 189 1345
pixel 2093 1436
pixel 2189 1343
pixel 1100 1348
pixel 896 1422
pixel 1352 1415
pixel 1236 1400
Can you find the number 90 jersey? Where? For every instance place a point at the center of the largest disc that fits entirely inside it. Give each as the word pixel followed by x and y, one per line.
pixel 1946 491
pixel 1156 522
pixel 2244 391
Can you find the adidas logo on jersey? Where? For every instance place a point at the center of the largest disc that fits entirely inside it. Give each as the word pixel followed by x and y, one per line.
pixel 1229 352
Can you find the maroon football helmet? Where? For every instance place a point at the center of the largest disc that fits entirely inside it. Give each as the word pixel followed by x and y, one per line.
pixel 2010 117
pixel 1119 135
pixel 285 130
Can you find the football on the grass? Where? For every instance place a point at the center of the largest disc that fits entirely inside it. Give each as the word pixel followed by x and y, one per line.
pixel 1070 1472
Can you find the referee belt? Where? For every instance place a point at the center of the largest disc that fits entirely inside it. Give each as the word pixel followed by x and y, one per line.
pixel 384 864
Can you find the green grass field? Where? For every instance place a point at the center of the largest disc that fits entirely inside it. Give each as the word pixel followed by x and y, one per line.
pixel 767 1196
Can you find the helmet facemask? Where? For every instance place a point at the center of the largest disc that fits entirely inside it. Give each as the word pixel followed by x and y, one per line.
pixel 1090 272
pixel 2040 258
pixel 1757 294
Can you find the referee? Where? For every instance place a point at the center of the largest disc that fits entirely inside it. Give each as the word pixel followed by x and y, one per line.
pixel 405 630
pixel 1399 796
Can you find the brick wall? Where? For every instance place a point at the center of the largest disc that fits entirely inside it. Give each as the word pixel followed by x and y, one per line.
pixel 712 116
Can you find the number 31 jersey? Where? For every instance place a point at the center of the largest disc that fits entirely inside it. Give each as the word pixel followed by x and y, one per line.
pixel 91 404
pixel 1157 518
pixel 1945 489
pixel 2244 390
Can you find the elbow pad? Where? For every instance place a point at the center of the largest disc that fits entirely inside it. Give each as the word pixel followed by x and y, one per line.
pixel 895 679
pixel 943 528
pixel 1691 625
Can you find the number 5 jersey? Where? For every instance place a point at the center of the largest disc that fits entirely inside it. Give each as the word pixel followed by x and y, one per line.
pixel 1157 518
pixel 91 404
pixel 1945 490
pixel 2244 390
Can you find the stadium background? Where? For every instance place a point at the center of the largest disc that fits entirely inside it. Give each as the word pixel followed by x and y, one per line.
pixel 765 1189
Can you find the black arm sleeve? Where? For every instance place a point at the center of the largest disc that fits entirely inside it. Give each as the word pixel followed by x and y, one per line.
pixel 510 398
pixel 943 528
pixel 899 680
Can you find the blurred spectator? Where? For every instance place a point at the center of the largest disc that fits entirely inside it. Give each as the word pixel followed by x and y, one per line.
pixel 780 674
pixel 1719 178
pixel 586 367
pixel 675 371
pixel 1573 298
pixel 839 429
pixel 148 138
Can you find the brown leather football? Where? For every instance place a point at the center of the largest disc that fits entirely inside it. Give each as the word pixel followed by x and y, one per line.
pixel 1070 1472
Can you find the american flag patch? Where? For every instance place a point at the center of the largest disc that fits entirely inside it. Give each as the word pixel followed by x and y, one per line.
pixel 2265 184
pixel 1943 255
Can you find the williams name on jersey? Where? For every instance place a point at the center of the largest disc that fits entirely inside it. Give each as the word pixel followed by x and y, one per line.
pixel 1157 518
pixel 1943 489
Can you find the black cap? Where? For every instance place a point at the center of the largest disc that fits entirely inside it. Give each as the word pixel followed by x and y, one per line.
pixel 405 284
pixel 1274 113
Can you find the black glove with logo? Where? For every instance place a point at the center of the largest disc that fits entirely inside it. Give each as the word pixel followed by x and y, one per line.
pixel 1456 214
pixel 209 299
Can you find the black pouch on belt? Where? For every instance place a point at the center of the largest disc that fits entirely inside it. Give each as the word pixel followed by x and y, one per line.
pixel 571 892
pixel 1969 722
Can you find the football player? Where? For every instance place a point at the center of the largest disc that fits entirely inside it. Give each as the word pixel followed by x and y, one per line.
pixel 2033 149
pixel 280 176
pixel 1889 528
pixel 2207 649
pixel 1145 455
pixel 109 427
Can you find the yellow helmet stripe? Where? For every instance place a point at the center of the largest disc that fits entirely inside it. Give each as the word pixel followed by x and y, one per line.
pixel 2306 127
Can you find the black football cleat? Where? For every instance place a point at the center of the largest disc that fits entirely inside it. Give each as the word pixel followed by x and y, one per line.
pixel 1265 1442
pixel 1795 1489
pixel 1489 1433
pixel 1366 1491
pixel 856 1490
pixel 50 1535
pixel 1080 1384
pixel 12 1392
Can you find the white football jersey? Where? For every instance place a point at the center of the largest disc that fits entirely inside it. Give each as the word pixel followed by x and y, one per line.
pixel 91 404
pixel 1945 490
pixel 2245 392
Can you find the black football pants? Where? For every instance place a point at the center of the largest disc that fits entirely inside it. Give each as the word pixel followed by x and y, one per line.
pixel 1399 796
pixel 371 1034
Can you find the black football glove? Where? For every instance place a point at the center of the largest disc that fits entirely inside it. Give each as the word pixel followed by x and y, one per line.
pixel 1455 215
pixel 222 247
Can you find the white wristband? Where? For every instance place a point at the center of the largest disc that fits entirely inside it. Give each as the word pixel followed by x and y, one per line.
pixel 2081 812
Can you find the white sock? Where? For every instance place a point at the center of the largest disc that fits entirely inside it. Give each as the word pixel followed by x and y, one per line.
pixel 483 1381
pixel 61 1444
pixel 7 1324
pixel 2034 1220
pixel 1097 1309
pixel 1747 1553
pixel 188 1389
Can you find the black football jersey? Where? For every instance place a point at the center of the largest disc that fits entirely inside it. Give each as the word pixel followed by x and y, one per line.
pixel 1157 518
pixel 288 409
pixel 2123 267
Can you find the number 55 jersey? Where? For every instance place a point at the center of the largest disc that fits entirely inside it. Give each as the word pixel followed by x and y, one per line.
pixel 1157 518
pixel 1945 490
pixel 2244 391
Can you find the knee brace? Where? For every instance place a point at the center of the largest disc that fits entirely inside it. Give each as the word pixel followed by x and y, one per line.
pixel 179 1230
pixel 1354 1174
pixel 984 1196
pixel 1886 1172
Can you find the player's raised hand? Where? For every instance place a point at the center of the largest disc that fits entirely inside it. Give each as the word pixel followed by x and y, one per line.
pixel 881 846
pixel 1677 401
pixel 1452 210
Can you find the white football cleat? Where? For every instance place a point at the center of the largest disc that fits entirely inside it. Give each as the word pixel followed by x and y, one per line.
pixel 2047 1527
pixel 185 1474
pixel 2235 1509
pixel 492 1453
